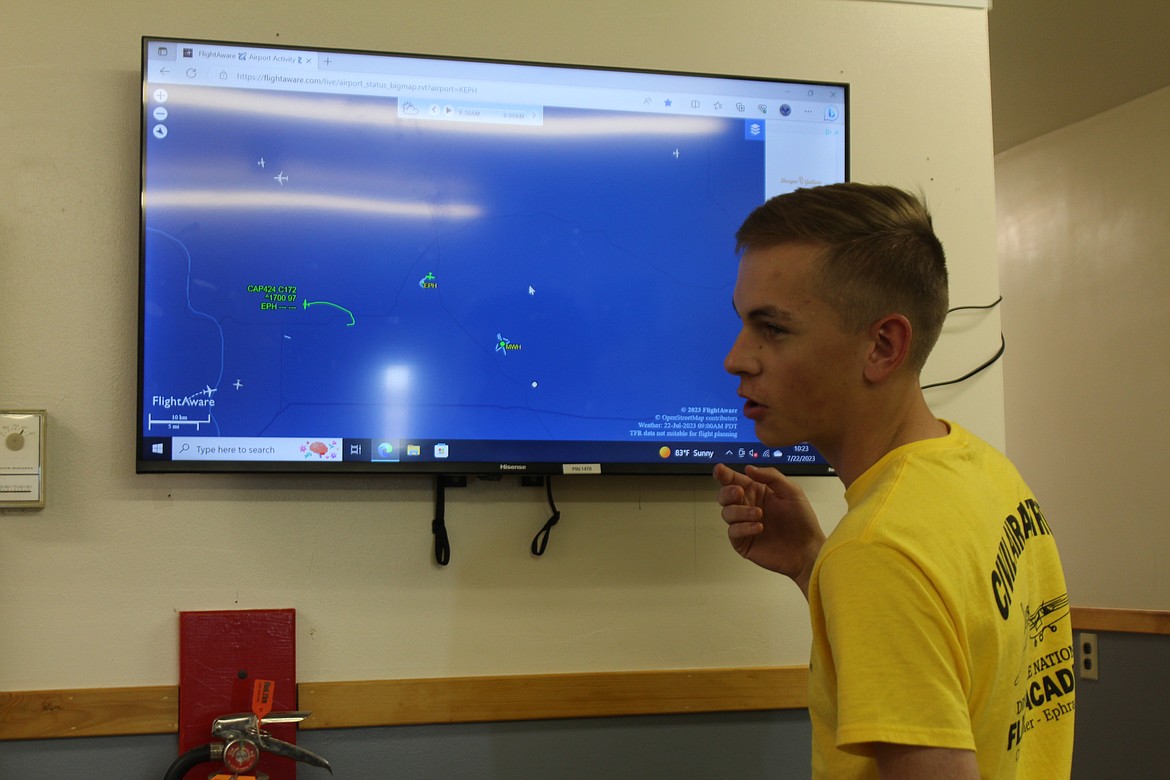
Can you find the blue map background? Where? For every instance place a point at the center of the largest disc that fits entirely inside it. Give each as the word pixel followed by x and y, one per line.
pixel 627 246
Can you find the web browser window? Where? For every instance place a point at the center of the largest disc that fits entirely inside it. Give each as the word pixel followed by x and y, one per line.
pixel 370 258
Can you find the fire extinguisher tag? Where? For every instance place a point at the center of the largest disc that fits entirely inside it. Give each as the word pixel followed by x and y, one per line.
pixel 262 691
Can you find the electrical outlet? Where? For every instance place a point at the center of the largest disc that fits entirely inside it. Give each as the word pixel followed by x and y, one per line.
pixel 1089 663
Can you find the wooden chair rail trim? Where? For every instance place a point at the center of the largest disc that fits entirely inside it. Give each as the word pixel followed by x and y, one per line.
pixel 1123 621
pixel 103 712
pixel 89 712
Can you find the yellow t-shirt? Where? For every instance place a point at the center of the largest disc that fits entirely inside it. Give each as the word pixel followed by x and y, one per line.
pixel 940 618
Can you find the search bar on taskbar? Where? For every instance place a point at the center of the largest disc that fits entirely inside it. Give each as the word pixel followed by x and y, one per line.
pixel 322 448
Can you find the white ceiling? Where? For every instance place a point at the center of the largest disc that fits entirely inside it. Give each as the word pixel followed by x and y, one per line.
pixel 1055 62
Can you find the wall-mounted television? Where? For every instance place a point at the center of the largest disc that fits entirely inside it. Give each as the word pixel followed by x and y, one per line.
pixel 358 261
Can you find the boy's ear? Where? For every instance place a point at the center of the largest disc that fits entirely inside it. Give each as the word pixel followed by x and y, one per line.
pixel 889 346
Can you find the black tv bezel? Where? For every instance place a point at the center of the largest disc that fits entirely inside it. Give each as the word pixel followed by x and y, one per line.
pixel 144 464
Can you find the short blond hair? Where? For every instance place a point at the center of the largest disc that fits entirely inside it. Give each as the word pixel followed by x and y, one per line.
pixel 881 255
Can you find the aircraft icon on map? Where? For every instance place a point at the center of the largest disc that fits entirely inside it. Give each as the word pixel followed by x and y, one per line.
pixel 280 178
pixel 208 390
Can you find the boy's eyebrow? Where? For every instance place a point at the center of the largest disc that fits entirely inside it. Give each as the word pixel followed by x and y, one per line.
pixel 767 312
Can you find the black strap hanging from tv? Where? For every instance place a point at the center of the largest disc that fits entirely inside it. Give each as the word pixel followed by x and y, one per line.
pixel 439 524
pixel 540 541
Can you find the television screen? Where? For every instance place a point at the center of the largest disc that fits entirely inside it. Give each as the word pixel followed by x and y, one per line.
pixel 354 261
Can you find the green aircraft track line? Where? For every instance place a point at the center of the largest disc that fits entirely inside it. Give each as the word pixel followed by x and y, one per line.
pixel 349 324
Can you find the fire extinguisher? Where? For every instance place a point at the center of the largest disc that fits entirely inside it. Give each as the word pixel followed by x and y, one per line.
pixel 238 741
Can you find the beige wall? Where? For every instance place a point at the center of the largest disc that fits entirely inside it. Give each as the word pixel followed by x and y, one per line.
pixel 638 574
pixel 1084 244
